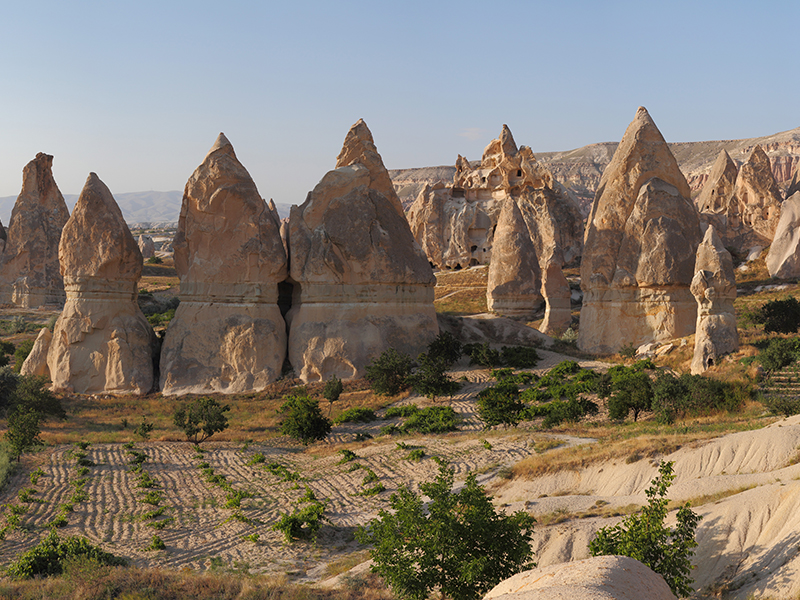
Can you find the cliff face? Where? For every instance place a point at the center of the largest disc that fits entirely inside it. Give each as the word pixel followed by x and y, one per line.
pixel 580 169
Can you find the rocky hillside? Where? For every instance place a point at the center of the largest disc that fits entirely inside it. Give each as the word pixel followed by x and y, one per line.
pixel 581 169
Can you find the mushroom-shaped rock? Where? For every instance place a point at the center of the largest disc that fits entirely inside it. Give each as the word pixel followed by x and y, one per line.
pixel 597 578
pixel 755 207
pixel 362 283
pixel 30 270
pixel 783 258
pixel 639 248
pixel 228 334
pixel 102 342
pixel 513 286
pixel 714 287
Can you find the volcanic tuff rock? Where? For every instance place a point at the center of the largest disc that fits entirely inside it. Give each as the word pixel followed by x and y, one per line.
pixel 455 225
pixel 513 286
pixel 31 274
pixel 36 362
pixel 146 246
pixel 597 578
pixel 557 297
pixel 102 342
pixel 640 246
pixel 361 282
pixel 227 334
pixel 718 189
pixel 714 287
pixel 783 258
pixel 794 184
pixel 755 207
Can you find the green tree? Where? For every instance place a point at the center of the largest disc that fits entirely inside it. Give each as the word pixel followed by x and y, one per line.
pixel 201 419
pixel 27 402
pixel 303 420
pixel 21 353
pixel 431 380
pixel 445 347
pixel 644 536
pixel 24 427
pixel 780 316
pixel 332 390
pixel 388 373
pixel 630 391
pixel 459 545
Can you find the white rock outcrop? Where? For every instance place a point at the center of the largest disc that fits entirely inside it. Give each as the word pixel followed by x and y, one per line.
pixel 361 282
pixel 597 578
pixel 228 334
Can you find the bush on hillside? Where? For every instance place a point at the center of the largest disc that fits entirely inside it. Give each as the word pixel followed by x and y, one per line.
pixel 388 374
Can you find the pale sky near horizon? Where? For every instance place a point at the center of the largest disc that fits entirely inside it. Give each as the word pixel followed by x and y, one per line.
pixel 138 91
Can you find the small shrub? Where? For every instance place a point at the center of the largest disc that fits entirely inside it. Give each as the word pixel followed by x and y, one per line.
pixel 156 543
pixel 416 455
pixel 282 472
pixel 431 380
pixel 256 459
pixel 143 429
pixel 500 405
pixel 433 419
pixel 49 556
pixel 347 456
pixel 628 351
pixel 35 475
pixel 483 355
pixel 779 316
pixel 519 357
pixel 21 353
pixel 370 477
pixel 400 411
pixel 305 520
pixel 332 390
pixel 445 348
pixel 152 497
pixel 372 491
pixel 356 415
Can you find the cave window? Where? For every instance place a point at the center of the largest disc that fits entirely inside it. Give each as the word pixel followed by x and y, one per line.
pixel 519 172
pixel 474 262
pixel 483 179
pixel 473 248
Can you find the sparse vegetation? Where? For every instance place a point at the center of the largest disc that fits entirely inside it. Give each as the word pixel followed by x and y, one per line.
pixel 303 420
pixel 201 419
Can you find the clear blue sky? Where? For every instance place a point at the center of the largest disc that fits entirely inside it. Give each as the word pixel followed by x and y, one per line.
pixel 138 91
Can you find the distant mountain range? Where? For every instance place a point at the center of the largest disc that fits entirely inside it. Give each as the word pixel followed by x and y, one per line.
pixel 137 207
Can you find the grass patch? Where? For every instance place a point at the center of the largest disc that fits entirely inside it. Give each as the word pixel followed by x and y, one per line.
pixel 710 498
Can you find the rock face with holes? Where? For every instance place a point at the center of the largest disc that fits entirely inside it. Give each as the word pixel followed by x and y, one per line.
pixel 714 287
pixel 361 282
pixel 783 258
pixel 597 578
pixel 228 334
pixel 639 253
pixel 455 224
pixel 513 285
pixel 31 275
pixel 102 342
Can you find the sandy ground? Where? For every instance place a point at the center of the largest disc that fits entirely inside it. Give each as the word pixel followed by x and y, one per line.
pixel 749 540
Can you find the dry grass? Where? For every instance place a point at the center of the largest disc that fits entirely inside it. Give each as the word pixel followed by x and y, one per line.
pixel 601 510
pixel 86 580
pixel 461 292
pixel 109 419
pixel 636 441
pixel 710 498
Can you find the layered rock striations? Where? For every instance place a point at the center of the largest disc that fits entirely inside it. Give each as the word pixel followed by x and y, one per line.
pixel 755 206
pixel 513 285
pixel 361 282
pixel 29 268
pixel 102 343
pixel 228 334
pixel 455 224
pixel 639 250
pixel 783 258
pixel 714 288
pixel 794 183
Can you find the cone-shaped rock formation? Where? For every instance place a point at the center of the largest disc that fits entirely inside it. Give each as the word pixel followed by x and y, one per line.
pixel 639 248
pixel 227 334
pixel 513 286
pixel 362 283
pixel 558 300
pixel 30 271
pixel 714 287
pixel 102 342
pixel 718 189
pixel 783 258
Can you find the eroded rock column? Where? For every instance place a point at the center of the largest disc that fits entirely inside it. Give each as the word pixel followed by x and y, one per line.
pixel 228 334
pixel 102 342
